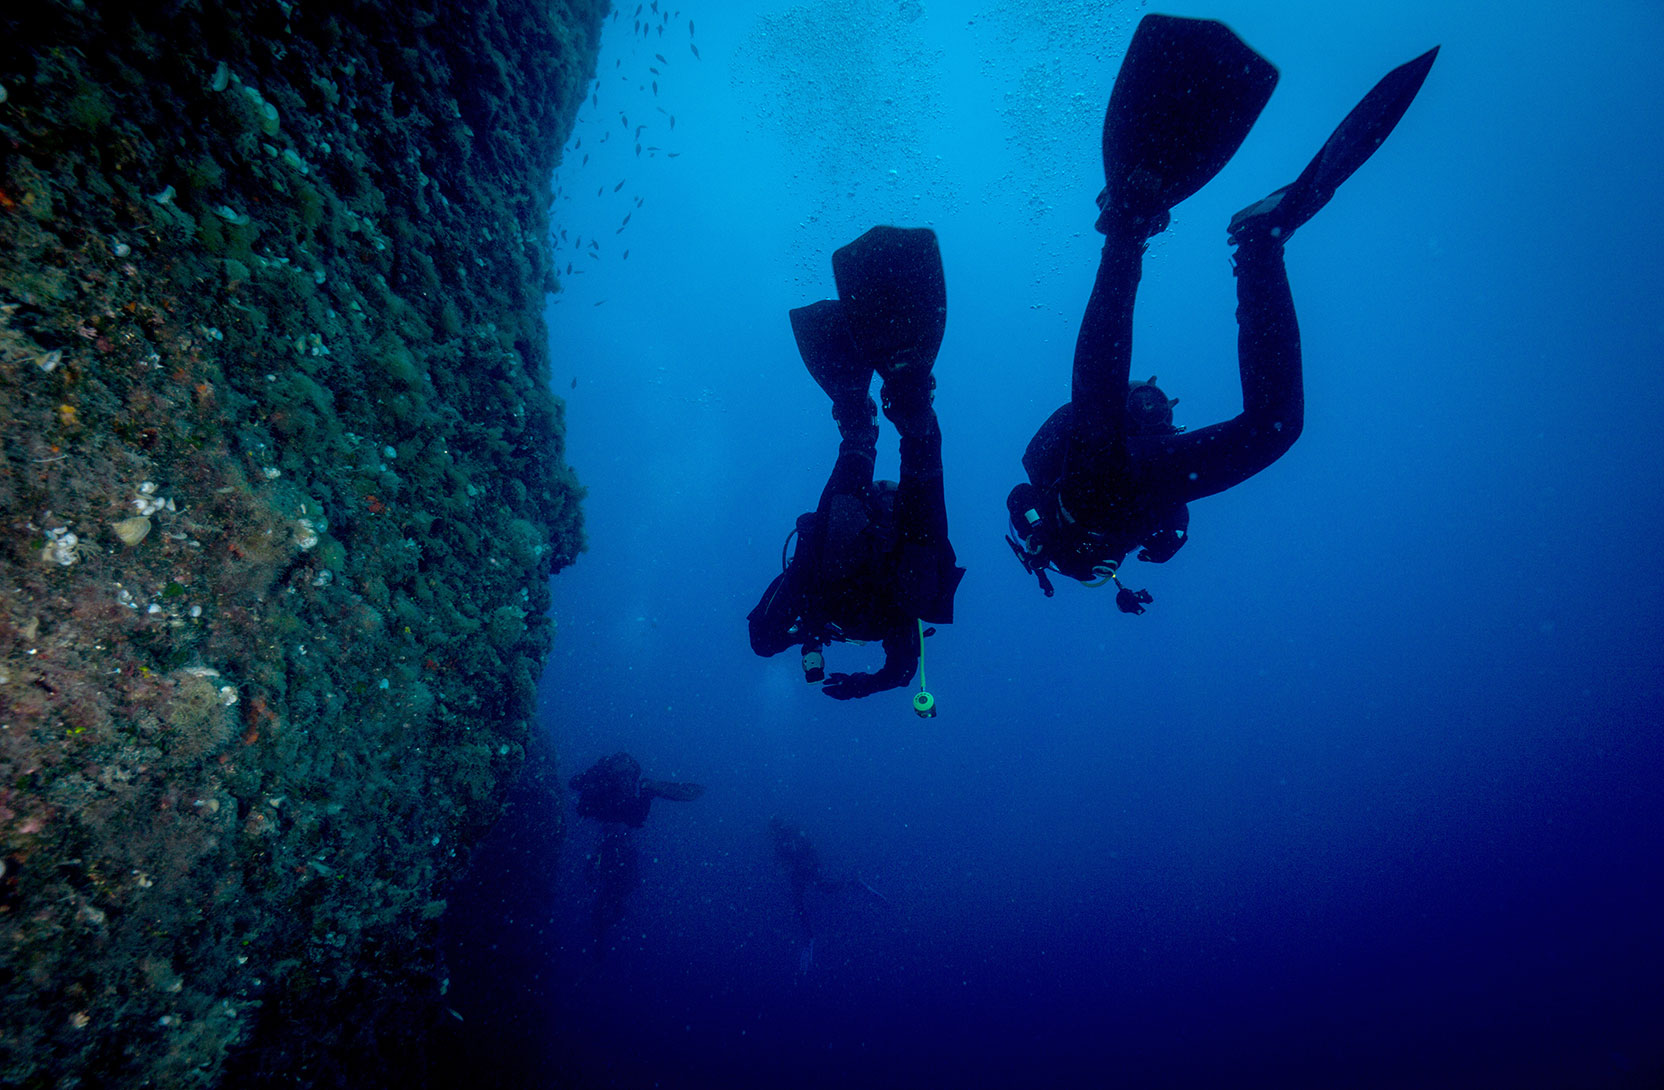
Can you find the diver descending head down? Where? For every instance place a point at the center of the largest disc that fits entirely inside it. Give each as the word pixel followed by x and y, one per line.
pixel 1109 473
pixel 873 561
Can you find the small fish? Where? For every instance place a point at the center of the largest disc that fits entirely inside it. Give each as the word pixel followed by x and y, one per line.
pixel 690 28
pixel 660 58
pixel 600 190
pixel 569 268
pixel 626 255
pixel 638 26
pixel 638 131
pixel 653 70
pixel 655 88
pixel 619 186
pixel 638 9
pixel 586 160
pixel 661 30
pixel 595 99
pixel 598 302
pixel 655 6
pixel 624 119
pixel 695 50
pixel 593 245
pixel 595 255
pixel 563 234
pixel 638 149
pixel 575 381
pixel 578 143
pixel 671 154
pixel 672 122
pixel 639 200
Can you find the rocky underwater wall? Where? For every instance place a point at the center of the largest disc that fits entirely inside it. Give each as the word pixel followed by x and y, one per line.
pixel 282 490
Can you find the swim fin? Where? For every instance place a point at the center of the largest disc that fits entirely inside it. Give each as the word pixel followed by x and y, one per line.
pixel 895 299
pixel 675 792
pixel 1187 93
pixel 830 354
pixel 1348 148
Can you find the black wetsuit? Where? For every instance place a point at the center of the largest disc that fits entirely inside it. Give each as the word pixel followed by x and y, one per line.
pixel 1100 489
pixel 870 564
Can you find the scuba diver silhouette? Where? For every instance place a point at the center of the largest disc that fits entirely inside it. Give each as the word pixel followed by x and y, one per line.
pixel 613 792
pixel 1108 472
pixel 793 850
pixel 873 561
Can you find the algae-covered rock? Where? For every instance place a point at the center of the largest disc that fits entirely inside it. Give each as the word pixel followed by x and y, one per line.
pixel 278 419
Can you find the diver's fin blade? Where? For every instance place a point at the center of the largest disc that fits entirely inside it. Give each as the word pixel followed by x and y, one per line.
pixel 895 297
pixel 1187 93
pixel 675 792
pixel 823 340
pixel 1354 140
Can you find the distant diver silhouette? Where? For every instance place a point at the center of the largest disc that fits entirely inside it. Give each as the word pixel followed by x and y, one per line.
pixel 796 853
pixel 613 792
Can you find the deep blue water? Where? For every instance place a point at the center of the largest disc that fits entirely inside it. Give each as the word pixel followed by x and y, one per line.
pixel 1368 798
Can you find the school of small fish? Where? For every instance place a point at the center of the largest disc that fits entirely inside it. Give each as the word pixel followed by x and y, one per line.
pixel 649 21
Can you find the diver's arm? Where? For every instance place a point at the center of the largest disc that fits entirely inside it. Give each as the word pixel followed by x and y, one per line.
pixel 901 659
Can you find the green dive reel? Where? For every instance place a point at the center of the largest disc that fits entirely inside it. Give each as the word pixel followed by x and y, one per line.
pixel 924 704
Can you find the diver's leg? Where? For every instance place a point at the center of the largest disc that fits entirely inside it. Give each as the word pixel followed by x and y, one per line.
pixel 1268 354
pixel 801 905
pixel 1201 463
pixel 921 506
pixel 842 509
pixel 857 450
pixel 928 570
pixel 617 877
pixel 1103 346
pixel 1098 383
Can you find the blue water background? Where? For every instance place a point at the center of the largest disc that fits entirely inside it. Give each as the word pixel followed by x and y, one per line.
pixel 1369 798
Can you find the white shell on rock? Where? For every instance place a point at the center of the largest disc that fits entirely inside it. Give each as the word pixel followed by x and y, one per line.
pixel 132 531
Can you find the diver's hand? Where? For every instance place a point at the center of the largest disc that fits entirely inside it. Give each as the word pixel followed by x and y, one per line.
pixel 848 686
pixel 1132 601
